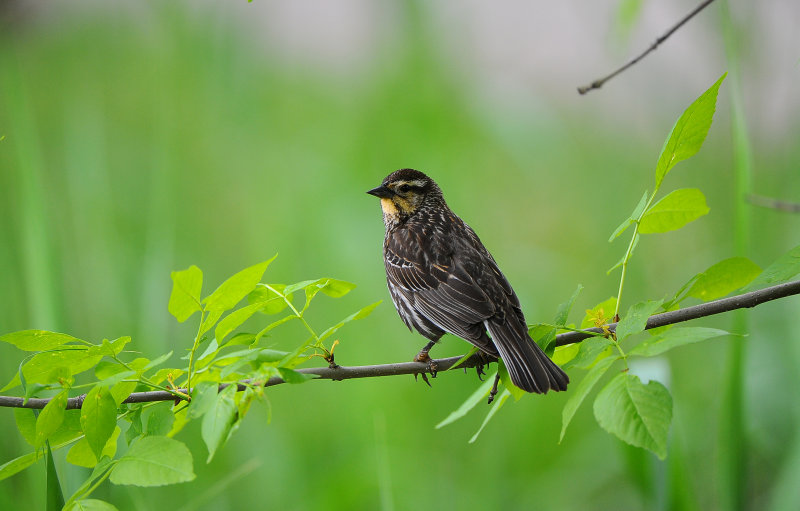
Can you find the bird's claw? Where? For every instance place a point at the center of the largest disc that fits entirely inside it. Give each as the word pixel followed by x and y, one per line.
pixel 430 366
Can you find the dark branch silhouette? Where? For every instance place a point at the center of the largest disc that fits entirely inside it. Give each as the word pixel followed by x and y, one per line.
pixel 745 300
pixel 601 81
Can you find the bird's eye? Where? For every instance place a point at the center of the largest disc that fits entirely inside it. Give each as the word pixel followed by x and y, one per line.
pixel 404 188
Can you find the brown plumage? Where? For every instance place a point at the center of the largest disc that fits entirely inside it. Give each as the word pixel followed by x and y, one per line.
pixel 442 279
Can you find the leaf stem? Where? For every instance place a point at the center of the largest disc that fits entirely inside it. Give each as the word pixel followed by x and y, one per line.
pixel 203 315
pixel 296 312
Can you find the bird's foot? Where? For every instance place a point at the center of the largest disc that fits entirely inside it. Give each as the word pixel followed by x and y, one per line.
pixel 430 366
pixel 493 392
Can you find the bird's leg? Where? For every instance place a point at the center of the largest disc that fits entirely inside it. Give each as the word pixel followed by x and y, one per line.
pixel 430 363
pixel 483 359
pixel 493 392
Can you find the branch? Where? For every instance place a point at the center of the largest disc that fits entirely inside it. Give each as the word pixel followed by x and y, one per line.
pixel 601 81
pixel 742 301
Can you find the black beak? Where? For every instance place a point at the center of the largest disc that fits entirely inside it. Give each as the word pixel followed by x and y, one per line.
pixel 382 192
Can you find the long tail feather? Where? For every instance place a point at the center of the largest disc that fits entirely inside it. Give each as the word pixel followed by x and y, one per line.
pixel 530 369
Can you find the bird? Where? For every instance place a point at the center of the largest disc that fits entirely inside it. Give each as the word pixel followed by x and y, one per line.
pixel 443 280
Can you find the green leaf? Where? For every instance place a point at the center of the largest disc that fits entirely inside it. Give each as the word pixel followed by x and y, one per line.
pixel 91 505
pixel 273 303
pixel 636 413
pixel 724 277
pixel 40 368
pixel 637 212
pixel 82 455
pixel 604 310
pixel 26 424
pixel 501 400
pixel 636 319
pixel 580 392
pixel 675 337
pixel 69 430
pixel 203 397
pixel 160 420
pixel 218 422
pixel 185 297
pixel 17 465
pixel 475 398
pixel 231 292
pixel 589 352
pixel 55 497
pixel 544 336
pixel 211 319
pixel 37 340
pixel 154 461
pixel 505 379
pixel 689 132
pixel 562 355
pixel 50 417
pixel 674 211
pixel 98 418
pixel 785 268
pixel 292 376
pixel 562 313
pixel 235 319
pixel 363 313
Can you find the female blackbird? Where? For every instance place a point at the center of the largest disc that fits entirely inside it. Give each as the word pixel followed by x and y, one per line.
pixel 442 279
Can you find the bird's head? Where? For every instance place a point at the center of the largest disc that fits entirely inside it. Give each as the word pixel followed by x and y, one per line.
pixel 404 192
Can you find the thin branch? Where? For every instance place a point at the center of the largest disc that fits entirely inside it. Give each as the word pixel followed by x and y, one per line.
pixel 776 204
pixel 601 81
pixel 742 301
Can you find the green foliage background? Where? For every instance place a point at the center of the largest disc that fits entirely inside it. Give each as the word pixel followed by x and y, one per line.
pixel 135 148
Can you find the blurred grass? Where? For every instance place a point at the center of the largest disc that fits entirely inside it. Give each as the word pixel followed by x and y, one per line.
pixel 134 148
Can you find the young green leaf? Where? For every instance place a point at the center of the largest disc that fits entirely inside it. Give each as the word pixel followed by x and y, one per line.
pixel 98 418
pixel 689 132
pixel 204 395
pixel 582 390
pixel 218 422
pixel 636 319
pixel 235 319
pixel 154 461
pixel 185 297
pixel 723 278
pixel 231 292
pixel 37 340
pixel 544 336
pixel 91 505
pixel 636 413
pixel 17 465
pixel 589 352
pixel 501 400
pixel 600 314
pixel 637 212
pixel 674 211
pixel 55 497
pixel 159 420
pixel 562 313
pixel 50 417
pixel 785 268
pixel 273 301
pixel 26 424
pixel 675 337
pixel 40 368
pixel 82 455
pixel 292 376
pixel 476 397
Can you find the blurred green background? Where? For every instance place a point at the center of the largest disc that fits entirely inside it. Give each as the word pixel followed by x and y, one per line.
pixel 144 137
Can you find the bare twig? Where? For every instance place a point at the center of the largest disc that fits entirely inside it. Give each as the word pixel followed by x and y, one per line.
pixel 776 204
pixel 601 81
pixel 372 371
